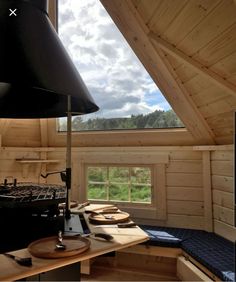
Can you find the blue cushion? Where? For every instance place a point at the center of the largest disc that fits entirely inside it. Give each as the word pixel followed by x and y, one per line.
pixel 212 251
pixel 168 236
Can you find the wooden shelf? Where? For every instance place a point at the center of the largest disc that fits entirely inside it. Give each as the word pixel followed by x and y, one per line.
pixel 31 161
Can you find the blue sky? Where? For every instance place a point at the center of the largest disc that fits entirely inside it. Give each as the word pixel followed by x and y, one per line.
pixel 113 74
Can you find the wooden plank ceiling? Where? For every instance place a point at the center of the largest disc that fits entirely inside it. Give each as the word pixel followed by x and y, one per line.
pixel 189 49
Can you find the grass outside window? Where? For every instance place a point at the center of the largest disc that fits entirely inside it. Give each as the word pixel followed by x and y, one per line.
pixel 131 184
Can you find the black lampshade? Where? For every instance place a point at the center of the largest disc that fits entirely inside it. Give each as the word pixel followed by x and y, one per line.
pixel 36 73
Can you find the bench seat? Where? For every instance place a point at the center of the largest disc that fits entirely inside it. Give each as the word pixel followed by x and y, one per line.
pixel 210 250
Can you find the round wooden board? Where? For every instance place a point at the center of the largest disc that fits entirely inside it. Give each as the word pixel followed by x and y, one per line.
pixel 46 247
pixel 117 217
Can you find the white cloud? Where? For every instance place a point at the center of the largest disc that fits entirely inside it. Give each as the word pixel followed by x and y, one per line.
pixel 116 79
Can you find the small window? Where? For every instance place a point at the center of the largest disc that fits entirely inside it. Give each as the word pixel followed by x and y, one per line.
pixel 130 184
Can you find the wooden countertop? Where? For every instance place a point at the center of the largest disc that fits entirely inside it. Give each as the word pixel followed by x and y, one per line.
pixel 123 237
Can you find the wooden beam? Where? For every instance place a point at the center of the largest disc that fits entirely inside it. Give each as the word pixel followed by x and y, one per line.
pixel 161 194
pixel 229 147
pixel 52 11
pixel 136 32
pixel 153 251
pixel 189 106
pixel 4 126
pixel 198 67
pixel 44 132
pixel 187 271
pixel 207 191
pixel 44 143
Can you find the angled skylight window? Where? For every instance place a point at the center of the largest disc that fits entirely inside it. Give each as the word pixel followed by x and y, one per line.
pixel 118 82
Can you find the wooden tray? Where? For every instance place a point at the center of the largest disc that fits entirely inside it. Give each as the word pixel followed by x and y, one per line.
pixel 117 217
pixel 46 247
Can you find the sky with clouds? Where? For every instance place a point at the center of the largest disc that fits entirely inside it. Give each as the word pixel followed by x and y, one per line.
pixel 116 79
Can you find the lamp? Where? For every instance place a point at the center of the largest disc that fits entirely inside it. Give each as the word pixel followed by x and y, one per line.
pixel 37 77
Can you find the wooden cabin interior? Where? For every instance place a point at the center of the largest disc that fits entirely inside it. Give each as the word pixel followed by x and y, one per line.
pixel 189 50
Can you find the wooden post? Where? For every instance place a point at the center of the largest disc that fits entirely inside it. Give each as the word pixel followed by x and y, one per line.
pixel 207 191
pixel 161 191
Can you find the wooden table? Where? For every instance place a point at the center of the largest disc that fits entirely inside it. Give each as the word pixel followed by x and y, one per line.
pixel 123 237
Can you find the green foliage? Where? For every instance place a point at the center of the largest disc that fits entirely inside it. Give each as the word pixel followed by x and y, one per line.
pixel 129 184
pixel 141 194
pixel 157 119
pixel 97 192
pixel 97 174
pixel 119 192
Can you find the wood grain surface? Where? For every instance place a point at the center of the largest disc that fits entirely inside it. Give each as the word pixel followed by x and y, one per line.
pixel 46 247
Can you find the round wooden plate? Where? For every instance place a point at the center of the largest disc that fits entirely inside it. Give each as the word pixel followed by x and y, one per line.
pixel 46 247
pixel 116 217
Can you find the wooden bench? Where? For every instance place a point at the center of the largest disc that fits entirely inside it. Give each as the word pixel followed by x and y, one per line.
pixel 200 255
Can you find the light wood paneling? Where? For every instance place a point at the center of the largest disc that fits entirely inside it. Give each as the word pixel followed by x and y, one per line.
pixel 222 183
pixel 224 199
pixel 187 271
pixel 197 84
pixel 203 32
pixel 147 10
pixel 187 166
pixel 160 179
pixel 225 67
pixel 223 214
pixel 165 14
pixel 208 95
pixel 182 70
pixel 185 155
pixel 189 17
pixel 184 194
pixel 22 133
pixel 224 105
pixel 153 251
pixel 201 36
pixel 184 179
pixel 225 230
pixel 185 207
pixel 207 191
pixel 4 126
pixel 219 48
pixel 185 221
pixel 218 80
pixel 222 168
pixel 219 121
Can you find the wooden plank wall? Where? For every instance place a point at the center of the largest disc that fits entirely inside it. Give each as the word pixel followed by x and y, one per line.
pixel 11 168
pixel 222 191
pixel 186 186
pixel 184 183
pixel 185 199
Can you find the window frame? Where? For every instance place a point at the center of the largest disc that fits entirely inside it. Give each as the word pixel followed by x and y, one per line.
pixel 126 203
pixel 132 156
pixel 53 11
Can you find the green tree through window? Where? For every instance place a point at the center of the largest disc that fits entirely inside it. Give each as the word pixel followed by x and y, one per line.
pixel 120 184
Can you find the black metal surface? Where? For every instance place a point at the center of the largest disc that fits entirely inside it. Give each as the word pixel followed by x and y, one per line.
pixel 29 195
pixel 36 73
pixel 19 228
